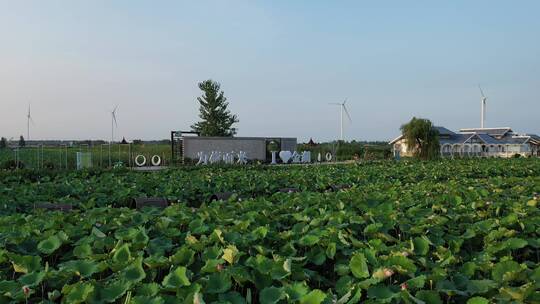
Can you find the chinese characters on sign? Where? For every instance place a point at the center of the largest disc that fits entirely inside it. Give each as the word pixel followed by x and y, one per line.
pixel 222 157
pixel 241 158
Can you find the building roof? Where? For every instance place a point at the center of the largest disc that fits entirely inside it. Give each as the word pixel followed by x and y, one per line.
pixel 490 131
pixel 444 131
pixel 488 136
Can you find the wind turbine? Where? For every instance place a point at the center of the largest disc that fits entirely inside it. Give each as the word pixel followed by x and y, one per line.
pixel 343 109
pixel 483 109
pixel 28 121
pixel 114 124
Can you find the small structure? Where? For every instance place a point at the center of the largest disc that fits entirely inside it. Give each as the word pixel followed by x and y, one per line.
pixel 479 142
pixel 311 143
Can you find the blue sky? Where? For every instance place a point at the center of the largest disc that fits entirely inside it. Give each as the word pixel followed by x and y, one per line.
pixel 279 62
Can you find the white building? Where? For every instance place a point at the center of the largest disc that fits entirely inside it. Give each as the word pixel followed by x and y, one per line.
pixel 480 142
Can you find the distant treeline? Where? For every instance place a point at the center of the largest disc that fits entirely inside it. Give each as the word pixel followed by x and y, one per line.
pixel 91 143
pixel 350 150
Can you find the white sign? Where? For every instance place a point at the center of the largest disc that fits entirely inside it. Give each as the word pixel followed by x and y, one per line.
pixel 296 157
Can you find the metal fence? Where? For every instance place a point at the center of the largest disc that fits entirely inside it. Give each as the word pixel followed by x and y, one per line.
pixel 68 157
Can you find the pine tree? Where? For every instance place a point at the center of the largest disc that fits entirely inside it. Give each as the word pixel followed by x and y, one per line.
pixel 3 143
pixel 216 119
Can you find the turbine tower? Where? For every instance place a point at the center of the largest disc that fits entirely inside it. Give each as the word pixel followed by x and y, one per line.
pixel 483 108
pixel 114 123
pixel 28 121
pixel 342 109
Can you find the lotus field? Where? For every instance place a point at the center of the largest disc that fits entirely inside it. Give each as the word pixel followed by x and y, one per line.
pixel 461 231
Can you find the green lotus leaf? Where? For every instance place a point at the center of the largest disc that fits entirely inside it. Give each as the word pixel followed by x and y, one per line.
pixel 82 268
pixel 316 255
pixel 10 287
pixel 141 238
pixel 344 284
pixel 159 246
pixel 296 291
pixel 515 243
pixel 429 297
pixel 26 263
pixel 280 269
pixel 477 300
pixel 82 251
pixel 50 244
pixel 480 286
pixel 401 264
pixel 78 292
pixel 380 293
pixel 421 245
pixel 125 234
pixel 308 240
pixel 156 261
pixel 184 256
pixel 359 266
pixel 259 232
pixel 114 291
pixel 417 282
pixel 468 269
pixel 134 273
pixel 505 271
pixel 122 255
pixel 213 252
pixel 240 274
pixel 271 295
pixel 148 300
pixel 211 266
pixel 232 297
pixel 149 290
pixel 32 279
pixel 96 232
pixel 314 297
pixel 218 283
pixel 331 250
pixel 372 228
pixel 176 278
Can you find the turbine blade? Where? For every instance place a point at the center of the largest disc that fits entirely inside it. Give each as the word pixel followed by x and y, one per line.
pixel 347 112
pixel 481 91
pixel 344 101
pixel 334 103
pixel 114 119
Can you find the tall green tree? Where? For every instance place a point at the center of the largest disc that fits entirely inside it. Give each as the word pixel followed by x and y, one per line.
pixel 3 143
pixel 421 138
pixel 216 119
pixel 22 142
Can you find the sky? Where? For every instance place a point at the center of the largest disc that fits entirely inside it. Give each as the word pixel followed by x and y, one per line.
pixel 280 64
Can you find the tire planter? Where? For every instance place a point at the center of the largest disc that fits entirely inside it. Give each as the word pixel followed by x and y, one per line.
pixel 155 160
pixel 53 207
pixel 157 202
pixel 221 196
pixel 140 163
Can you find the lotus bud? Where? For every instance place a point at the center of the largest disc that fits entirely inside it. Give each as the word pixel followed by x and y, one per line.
pixel 26 291
pixel 220 267
pixel 388 272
